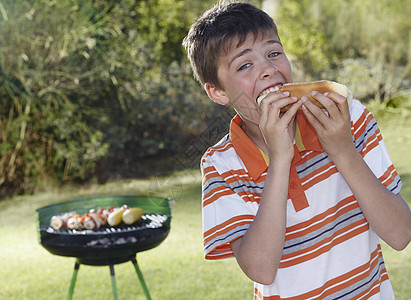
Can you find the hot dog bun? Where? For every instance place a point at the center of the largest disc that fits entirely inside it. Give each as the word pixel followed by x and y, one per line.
pixel 304 89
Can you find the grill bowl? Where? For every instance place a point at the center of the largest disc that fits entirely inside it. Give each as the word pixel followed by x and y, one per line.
pixel 106 245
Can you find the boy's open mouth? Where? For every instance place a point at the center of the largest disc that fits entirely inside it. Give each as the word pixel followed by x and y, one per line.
pixel 267 91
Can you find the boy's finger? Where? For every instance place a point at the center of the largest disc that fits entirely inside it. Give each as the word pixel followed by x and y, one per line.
pixel 274 104
pixel 329 104
pixel 317 112
pixel 292 111
pixel 340 101
pixel 272 98
pixel 313 114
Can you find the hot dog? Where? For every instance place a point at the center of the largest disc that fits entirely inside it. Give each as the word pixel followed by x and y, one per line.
pixel 304 89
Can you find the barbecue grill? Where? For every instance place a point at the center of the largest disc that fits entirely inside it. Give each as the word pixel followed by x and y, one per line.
pixel 107 245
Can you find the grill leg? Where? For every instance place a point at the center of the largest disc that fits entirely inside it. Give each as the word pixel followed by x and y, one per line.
pixel 73 280
pixel 140 276
pixel 113 282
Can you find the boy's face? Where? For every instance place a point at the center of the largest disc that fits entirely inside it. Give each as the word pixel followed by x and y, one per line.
pixel 245 71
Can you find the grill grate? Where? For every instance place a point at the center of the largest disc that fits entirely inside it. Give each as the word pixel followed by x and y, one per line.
pixel 146 221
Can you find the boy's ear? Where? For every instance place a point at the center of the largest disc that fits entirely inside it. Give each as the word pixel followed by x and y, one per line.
pixel 216 94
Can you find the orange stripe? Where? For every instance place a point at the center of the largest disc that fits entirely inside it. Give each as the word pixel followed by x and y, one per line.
pixel 344 281
pixel 323 223
pixel 323 215
pixel 363 272
pixel 218 233
pixel 362 123
pixel 235 175
pixel 247 196
pixel 210 170
pixel 316 250
pixel 368 146
pixel 226 223
pixel 375 288
pixel 387 177
pixel 257 295
pixel 314 180
pixel 219 192
pixel 224 147
pixel 225 254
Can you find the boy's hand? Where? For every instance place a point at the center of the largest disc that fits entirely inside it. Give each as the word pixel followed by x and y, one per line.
pixel 277 128
pixel 334 129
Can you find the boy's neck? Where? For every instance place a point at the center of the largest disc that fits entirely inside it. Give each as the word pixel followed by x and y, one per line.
pixel 254 133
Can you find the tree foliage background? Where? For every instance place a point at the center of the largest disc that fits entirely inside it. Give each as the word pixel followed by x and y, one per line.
pixel 102 89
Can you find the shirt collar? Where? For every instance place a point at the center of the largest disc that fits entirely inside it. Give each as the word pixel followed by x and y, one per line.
pixel 249 153
pixel 256 161
pixel 306 140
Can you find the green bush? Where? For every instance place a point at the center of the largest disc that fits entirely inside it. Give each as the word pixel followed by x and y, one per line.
pixel 44 132
pixel 93 89
pixel 361 43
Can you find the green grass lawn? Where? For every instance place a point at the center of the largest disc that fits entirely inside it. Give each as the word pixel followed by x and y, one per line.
pixel 396 131
pixel 174 270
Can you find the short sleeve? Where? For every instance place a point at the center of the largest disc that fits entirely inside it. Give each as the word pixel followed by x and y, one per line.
pixel 226 216
pixel 370 144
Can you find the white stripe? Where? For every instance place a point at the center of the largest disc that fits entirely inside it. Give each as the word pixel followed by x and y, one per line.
pixel 206 175
pixel 223 228
pixel 324 245
pixel 308 153
pixel 319 174
pixel 370 291
pixel 341 282
pixel 389 176
pixel 215 193
pixel 365 120
pixel 231 176
pixel 370 142
pixel 322 220
pixel 220 148
pixel 256 296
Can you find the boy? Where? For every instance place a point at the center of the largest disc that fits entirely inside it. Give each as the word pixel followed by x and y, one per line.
pixel 303 221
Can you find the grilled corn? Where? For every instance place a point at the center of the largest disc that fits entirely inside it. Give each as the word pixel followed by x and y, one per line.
pixel 116 216
pixel 132 214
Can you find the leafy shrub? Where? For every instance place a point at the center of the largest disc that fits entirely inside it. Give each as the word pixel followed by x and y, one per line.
pixel 93 88
pixel 362 43
pixel 44 130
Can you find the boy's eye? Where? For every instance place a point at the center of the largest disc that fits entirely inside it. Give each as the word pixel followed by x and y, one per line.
pixel 245 66
pixel 274 54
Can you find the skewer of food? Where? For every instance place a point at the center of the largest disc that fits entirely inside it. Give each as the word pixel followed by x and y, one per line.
pixel 94 219
pixel 58 222
pixel 75 222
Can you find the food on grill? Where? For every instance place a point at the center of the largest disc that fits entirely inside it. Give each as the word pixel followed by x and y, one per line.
pixel 304 89
pixel 75 222
pixel 104 214
pixel 115 217
pixel 132 215
pixel 94 219
pixel 58 222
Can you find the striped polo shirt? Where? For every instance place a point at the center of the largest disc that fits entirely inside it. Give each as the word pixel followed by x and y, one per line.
pixel 330 251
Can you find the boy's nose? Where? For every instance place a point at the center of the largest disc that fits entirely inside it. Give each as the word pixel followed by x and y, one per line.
pixel 268 70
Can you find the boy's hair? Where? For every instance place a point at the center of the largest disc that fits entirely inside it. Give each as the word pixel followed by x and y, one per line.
pixel 212 34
